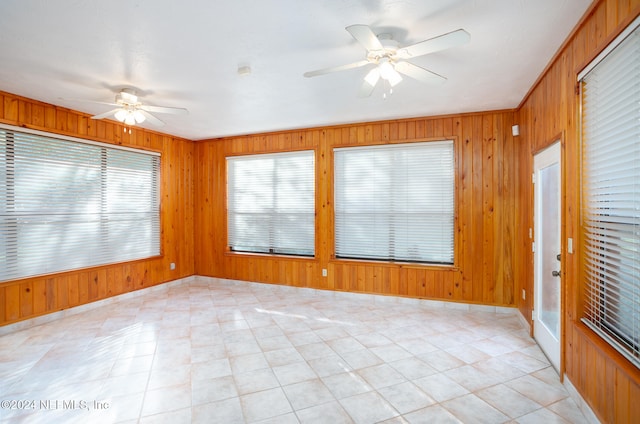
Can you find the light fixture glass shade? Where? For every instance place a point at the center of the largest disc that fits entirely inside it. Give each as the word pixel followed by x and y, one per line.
pixel 388 72
pixel 386 69
pixel 372 77
pixel 394 78
pixel 121 115
pixel 130 120
pixel 139 116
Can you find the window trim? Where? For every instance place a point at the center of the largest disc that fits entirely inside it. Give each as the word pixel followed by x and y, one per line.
pixel 277 255
pixel 605 335
pixel 453 266
pixel 104 145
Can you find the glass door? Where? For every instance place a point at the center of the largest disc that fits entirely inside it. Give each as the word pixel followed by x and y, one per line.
pixel 547 273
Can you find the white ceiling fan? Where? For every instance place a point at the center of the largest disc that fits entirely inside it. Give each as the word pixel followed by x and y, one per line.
pixel 390 59
pixel 131 111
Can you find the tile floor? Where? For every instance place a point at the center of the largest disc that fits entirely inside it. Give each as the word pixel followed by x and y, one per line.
pixel 217 351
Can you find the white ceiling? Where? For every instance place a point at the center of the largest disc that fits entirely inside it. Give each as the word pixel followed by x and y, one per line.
pixel 187 53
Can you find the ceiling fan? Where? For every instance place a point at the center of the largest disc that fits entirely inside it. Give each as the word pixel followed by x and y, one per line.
pixel 131 111
pixel 390 59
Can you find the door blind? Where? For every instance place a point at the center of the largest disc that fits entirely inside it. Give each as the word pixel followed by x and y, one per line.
pixel 395 202
pixel 611 195
pixel 66 205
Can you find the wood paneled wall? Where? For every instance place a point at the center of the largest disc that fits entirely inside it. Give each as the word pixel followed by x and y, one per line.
pixel 485 198
pixel 31 297
pixel 607 381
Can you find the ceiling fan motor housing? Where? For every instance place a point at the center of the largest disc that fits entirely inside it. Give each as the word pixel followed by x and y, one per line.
pixel 127 98
pixel 389 48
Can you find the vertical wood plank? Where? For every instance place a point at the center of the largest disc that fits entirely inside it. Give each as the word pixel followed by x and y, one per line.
pixel 3 297
pixel 11 109
pixel 61 288
pixel 466 184
pixel 39 297
pixel 412 282
pixel 12 302
pixel 26 299
pixel 488 201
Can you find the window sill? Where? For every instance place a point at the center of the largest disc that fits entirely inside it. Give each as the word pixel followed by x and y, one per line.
pixel 231 253
pixel 396 264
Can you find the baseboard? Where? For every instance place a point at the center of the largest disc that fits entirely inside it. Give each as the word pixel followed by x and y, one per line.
pixel 579 400
pixel 525 322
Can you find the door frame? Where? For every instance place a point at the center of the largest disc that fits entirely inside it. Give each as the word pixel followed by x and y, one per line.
pixel 560 141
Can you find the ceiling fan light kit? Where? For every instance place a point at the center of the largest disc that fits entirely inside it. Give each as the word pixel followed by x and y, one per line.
pixel 129 117
pixel 391 61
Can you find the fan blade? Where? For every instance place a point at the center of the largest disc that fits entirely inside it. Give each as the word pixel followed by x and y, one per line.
pixel 336 69
pixel 106 114
pixel 369 83
pixel 162 109
pixel 151 119
pixel 441 42
pixel 364 36
pixel 88 101
pixel 418 73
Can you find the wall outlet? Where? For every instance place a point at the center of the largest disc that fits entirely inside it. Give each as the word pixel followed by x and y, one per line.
pixel 324 272
pixel 524 294
pixel 172 266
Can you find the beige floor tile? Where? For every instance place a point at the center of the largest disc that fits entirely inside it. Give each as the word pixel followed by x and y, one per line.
pixel 331 412
pixel 568 410
pixel 227 411
pixel 294 373
pixel 472 409
pixel 181 416
pixel 435 414
pixel 382 375
pixel 255 381
pixel 542 416
pixel 508 401
pixel 538 390
pixel 212 390
pixel 307 394
pixel 440 387
pixel 265 404
pixel 368 407
pixel 413 368
pixel 346 384
pixel 166 399
pixel 406 397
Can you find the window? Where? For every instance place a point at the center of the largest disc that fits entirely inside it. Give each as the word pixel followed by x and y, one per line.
pixel 271 203
pixel 395 202
pixel 69 204
pixel 611 193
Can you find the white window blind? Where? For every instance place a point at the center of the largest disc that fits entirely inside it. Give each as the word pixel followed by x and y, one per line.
pixel 66 205
pixel 611 195
pixel 395 202
pixel 271 203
